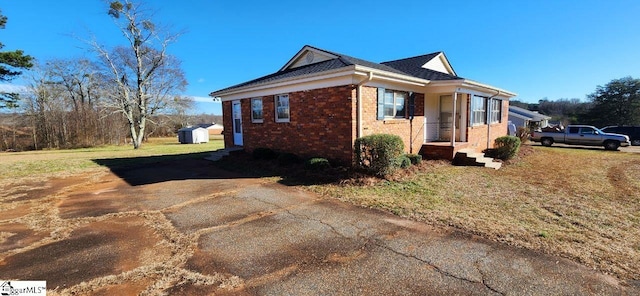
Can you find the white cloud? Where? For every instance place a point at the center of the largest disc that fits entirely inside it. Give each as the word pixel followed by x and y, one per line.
pixel 13 88
pixel 203 99
pixel 201 80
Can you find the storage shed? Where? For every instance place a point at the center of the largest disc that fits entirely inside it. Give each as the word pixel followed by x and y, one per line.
pixel 193 135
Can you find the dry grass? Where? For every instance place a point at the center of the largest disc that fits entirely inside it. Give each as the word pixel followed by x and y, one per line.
pixel 73 161
pixel 579 204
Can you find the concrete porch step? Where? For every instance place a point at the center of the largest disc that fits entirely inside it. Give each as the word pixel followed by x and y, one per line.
pixel 468 157
pixel 221 153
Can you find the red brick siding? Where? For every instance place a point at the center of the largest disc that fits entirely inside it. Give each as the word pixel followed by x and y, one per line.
pixel 477 135
pixel 227 132
pixel 411 132
pixel 321 124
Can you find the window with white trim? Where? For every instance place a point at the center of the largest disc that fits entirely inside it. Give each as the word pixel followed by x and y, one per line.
pixel 478 110
pixel 496 111
pixel 256 110
pixel 282 108
pixel 392 103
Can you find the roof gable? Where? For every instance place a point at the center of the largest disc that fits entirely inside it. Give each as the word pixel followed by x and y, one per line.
pixel 433 66
pixel 308 55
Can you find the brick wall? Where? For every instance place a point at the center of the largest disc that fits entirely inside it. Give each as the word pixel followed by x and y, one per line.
pixel 477 135
pixel 321 124
pixel 411 132
pixel 227 132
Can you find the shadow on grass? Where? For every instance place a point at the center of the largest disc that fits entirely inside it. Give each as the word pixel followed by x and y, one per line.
pixel 192 166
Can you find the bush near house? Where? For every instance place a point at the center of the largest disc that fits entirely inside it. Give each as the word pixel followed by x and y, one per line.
pixel 378 154
pixel 415 158
pixel 506 147
pixel 317 164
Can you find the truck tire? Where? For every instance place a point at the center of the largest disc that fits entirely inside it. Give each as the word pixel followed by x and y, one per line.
pixel 546 142
pixel 611 145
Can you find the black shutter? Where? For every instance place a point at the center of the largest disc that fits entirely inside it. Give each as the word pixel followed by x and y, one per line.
pixel 412 105
pixel 381 103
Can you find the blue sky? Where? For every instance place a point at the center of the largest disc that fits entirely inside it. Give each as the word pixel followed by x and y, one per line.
pixel 538 49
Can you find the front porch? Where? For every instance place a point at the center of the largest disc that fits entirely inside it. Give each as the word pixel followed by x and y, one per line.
pixel 441 150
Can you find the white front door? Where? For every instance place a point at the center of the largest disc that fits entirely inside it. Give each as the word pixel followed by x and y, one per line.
pixel 237 123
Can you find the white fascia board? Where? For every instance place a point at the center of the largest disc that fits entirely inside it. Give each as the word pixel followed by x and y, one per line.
pixel 469 86
pixel 392 76
pixel 280 87
pixel 345 71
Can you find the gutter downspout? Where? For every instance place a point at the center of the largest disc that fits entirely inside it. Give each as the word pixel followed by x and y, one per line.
pixel 359 105
pixel 489 117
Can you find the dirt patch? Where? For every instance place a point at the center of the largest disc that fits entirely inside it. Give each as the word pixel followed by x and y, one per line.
pixel 16 235
pixel 98 249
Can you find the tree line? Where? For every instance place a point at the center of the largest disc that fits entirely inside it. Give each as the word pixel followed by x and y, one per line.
pixel 118 95
pixel 615 103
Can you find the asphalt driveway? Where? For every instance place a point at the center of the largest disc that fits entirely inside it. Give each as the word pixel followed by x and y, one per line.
pixel 188 228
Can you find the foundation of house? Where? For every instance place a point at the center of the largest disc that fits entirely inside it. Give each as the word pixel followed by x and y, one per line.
pixel 441 150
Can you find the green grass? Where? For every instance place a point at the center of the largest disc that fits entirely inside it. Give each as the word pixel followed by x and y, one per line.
pixel 73 161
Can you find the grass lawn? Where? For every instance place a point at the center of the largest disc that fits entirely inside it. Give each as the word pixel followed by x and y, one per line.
pixel 43 163
pixel 579 204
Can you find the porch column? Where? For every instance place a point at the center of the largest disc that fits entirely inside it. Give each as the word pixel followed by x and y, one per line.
pixel 453 120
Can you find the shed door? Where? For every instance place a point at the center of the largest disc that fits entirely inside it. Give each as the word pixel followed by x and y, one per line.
pixel 237 123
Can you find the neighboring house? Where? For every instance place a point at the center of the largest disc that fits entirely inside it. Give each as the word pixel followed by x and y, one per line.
pixel 320 101
pixel 521 117
pixel 213 128
pixel 193 135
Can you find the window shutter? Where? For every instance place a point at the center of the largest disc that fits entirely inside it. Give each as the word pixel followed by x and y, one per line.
pixel 380 103
pixel 412 105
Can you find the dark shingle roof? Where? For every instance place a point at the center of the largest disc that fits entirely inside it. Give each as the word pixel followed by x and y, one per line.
pixel 299 71
pixel 413 67
pixel 410 67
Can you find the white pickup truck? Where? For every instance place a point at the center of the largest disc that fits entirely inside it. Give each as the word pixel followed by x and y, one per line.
pixel 581 135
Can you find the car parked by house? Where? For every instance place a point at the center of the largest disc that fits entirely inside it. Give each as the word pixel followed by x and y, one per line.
pixel 632 131
pixel 581 135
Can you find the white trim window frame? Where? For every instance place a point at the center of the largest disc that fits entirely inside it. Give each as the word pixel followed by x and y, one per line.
pixel 283 113
pixel 257 115
pixel 496 111
pixel 478 110
pixel 395 104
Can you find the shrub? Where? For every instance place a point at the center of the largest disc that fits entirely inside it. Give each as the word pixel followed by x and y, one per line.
pixel 523 133
pixel 507 147
pixel 404 161
pixel 378 154
pixel 264 153
pixel 288 159
pixel 415 158
pixel 317 164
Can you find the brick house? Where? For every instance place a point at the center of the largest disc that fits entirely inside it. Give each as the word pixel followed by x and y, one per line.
pixel 320 101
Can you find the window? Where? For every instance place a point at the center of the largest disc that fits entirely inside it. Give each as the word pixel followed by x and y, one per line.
pixel 256 110
pixel 282 108
pixel 392 104
pixel 587 131
pixel 478 110
pixel 496 111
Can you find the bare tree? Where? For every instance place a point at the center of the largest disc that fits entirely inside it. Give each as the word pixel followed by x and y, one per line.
pixel 143 77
